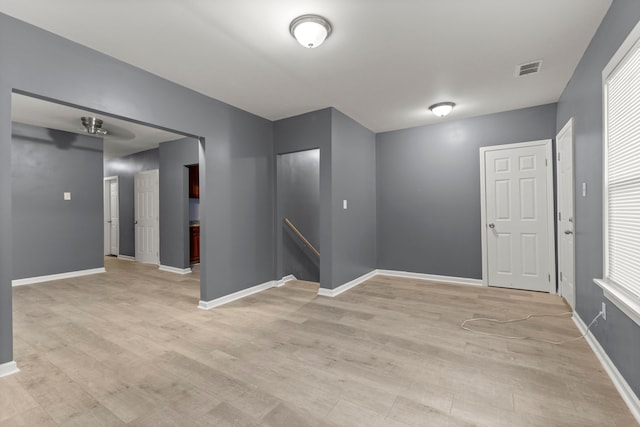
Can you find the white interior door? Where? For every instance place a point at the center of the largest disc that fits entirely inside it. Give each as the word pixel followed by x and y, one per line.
pixel 107 215
pixel 111 217
pixel 518 216
pixel 565 195
pixel 147 226
pixel 114 218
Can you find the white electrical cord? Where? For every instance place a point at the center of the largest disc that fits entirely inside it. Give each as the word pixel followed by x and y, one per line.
pixel 465 327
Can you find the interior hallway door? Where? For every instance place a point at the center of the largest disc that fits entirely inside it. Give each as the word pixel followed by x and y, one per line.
pixel 114 220
pixel 565 194
pixel 147 216
pixel 518 216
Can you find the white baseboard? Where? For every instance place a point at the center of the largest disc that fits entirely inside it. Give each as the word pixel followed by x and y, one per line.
pixel 620 383
pixel 208 305
pixel 174 269
pixel 59 276
pixel 286 279
pixel 8 368
pixel 402 274
pixel 126 258
pixel 431 277
pixel 343 288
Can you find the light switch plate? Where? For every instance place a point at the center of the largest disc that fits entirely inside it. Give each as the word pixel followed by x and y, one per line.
pixel 67 195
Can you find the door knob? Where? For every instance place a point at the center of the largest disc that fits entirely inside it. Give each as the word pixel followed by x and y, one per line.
pixel 492 225
pixel 568 232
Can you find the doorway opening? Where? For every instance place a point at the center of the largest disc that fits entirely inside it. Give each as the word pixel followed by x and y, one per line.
pixel 95 169
pixel 298 215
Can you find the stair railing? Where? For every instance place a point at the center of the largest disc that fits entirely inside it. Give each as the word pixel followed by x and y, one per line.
pixel 301 236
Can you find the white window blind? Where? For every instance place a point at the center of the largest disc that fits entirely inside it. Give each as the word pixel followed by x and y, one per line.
pixel 622 175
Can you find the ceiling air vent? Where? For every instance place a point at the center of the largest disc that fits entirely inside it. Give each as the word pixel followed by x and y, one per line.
pixel 528 68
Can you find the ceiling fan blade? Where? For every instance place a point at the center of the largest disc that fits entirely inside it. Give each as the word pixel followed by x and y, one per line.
pixel 118 133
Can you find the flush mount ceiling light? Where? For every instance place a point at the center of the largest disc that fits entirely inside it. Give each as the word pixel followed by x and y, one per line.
pixel 93 126
pixel 441 109
pixel 310 30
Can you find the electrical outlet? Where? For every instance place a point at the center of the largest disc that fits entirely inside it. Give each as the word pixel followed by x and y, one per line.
pixel 604 311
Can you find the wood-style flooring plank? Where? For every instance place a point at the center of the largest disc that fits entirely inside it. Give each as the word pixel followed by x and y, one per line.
pixel 129 347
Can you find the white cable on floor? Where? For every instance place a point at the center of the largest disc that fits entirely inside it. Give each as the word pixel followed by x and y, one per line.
pixel 465 327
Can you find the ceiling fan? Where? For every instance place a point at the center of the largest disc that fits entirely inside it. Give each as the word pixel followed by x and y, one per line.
pixel 93 126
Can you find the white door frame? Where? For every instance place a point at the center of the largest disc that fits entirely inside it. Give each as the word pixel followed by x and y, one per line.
pixel 107 214
pixel 551 250
pixel 568 127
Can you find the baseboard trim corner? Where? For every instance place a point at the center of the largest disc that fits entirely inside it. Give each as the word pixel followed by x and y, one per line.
pixel 8 368
pixel 618 380
pixel 58 276
pixel 431 277
pixel 345 287
pixel 286 279
pixel 176 270
pixel 208 305
pixel 126 258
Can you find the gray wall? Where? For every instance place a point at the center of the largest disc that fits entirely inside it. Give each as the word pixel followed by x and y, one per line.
pixel 174 200
pixel 298 199
pixel 582 100
pixel 353 177
pixel 347 171
pixel 429 189
pixel 126 168
pixel 51 235
pixel 236 153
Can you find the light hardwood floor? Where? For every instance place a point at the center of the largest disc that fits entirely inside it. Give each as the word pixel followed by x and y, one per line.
pixel 130 347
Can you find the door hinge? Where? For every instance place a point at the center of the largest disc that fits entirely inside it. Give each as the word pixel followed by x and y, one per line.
pixel 559 216
pixel 546 162
pixel 558 156
pixel 561 276
pixel 549 276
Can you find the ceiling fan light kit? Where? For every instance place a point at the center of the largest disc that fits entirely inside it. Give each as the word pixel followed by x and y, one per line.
pixel 442 109
pixel 310 30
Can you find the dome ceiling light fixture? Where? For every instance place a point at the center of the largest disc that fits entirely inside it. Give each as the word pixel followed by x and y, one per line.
pixel 310 30
pixel 442 109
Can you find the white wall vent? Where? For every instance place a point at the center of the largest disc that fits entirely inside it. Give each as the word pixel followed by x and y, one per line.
pixel 528 68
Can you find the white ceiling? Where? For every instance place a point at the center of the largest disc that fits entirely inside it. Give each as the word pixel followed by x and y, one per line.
pixel 124 137
pixel 384 64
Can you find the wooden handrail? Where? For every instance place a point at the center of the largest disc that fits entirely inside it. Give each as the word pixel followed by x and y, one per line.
pixel 301 236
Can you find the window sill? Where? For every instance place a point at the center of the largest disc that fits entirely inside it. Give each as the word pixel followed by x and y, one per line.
pixel 629 305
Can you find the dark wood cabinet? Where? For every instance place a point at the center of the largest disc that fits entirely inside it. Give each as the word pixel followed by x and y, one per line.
pixel 194 182
pixel 194 243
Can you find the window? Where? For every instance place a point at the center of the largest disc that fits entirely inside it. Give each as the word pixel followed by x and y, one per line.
pixel 621 97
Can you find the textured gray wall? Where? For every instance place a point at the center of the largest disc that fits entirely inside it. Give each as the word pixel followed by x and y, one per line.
pixel 582 100
pixel 237 160
pixel 353 175
pixel 126 168
pixel 51 235
pixel 298 184
pixel 429 189
pixel 174 200
pixel 305 132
